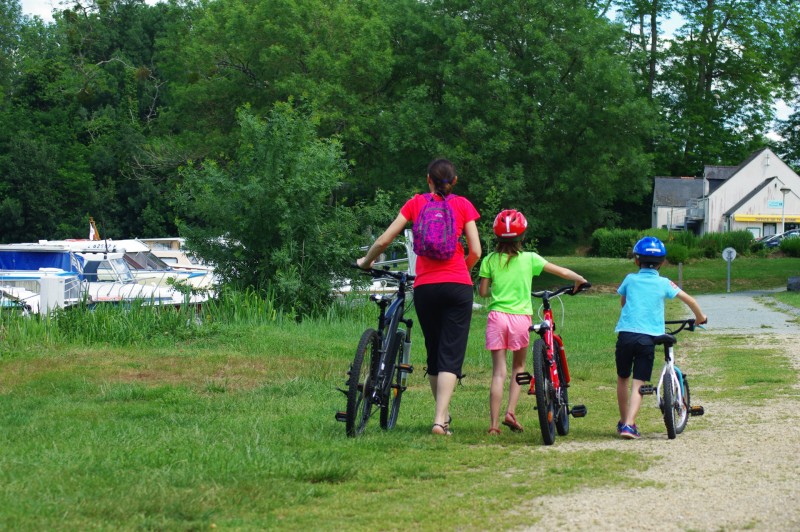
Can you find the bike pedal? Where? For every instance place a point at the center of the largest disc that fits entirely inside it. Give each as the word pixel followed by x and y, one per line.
pixel 341 416
pixel 524 378
pixel 697 411
pixel 578 411
pixel 408 368
pixel 647 389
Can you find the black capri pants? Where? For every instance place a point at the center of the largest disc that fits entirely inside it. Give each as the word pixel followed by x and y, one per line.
pixel 445 312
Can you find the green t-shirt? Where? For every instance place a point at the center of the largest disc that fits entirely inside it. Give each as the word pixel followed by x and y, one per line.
pixel 511 281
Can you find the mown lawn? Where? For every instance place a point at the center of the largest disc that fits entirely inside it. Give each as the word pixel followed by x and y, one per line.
pixel 235 428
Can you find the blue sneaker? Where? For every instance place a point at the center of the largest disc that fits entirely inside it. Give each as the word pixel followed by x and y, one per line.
pixel 620 424
pixel 629 432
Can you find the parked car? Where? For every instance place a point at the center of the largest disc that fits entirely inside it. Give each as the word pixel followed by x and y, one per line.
pixel 773 241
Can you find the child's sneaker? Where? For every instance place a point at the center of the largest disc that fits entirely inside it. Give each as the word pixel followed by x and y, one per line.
pixel 620 424
pixel 629 432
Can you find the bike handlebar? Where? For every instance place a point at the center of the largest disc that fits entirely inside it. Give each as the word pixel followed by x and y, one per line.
pixel 564 289
pixel 378 274
pixel 690 325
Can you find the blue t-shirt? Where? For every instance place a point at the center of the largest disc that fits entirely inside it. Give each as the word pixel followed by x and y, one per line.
pixel 644 293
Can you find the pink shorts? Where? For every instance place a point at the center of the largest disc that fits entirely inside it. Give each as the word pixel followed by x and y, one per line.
pixel 507 331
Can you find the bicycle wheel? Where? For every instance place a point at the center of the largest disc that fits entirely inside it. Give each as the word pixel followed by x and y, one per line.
pixel 668 402
pixel 686 404
pixel 544 392
pixel 562 414
pixel 360 383
pixel 394 392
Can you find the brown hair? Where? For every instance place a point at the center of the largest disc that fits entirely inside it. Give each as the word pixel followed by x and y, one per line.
pixel 511 249
pixel 442 174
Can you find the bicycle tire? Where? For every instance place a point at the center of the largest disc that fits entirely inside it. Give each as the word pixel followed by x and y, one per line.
pixel 390 408
pixel 683 418
pixel 360 384
pixel 544 392
pixel 668 402
pixel 562 415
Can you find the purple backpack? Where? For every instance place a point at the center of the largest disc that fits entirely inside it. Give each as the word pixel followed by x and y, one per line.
pixel 435 229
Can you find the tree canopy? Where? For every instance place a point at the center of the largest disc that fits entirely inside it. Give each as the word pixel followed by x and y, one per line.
pixel 151 118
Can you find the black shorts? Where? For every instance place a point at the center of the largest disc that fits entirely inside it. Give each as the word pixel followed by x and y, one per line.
pixel 445 312
pixel 635 352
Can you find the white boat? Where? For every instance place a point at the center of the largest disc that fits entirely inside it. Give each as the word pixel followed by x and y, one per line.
pixel 171 250
pixel 145 265
pixel 41 291
pixel 106 277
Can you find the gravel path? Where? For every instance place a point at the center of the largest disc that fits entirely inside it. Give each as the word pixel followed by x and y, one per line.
pixel 736 468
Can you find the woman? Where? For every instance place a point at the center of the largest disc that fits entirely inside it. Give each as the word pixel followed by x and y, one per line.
pixel 442 289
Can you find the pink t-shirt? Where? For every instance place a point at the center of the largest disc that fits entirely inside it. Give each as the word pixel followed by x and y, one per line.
pixel 453 270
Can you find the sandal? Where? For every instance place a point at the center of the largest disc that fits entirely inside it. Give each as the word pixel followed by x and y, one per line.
pixel 444 430
pixel 447 423
pixel 511 422
pixel 493 431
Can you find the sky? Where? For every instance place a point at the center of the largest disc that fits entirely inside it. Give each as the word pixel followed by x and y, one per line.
pixel 40 8
pixel 44 8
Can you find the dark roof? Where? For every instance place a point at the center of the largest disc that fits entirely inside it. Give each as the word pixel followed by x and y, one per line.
pixel 752 193
pixel 676 191
pixel 720 172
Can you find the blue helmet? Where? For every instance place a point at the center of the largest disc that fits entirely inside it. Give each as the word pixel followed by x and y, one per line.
pixel 649 251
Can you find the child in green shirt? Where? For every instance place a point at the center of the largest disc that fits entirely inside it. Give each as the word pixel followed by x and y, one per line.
pixel 510 271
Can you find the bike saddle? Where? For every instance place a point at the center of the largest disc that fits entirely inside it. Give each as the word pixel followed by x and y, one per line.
pixel 664 339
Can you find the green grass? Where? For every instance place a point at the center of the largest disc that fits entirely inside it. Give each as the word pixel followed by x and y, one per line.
pixel 788 298
pixel 232 425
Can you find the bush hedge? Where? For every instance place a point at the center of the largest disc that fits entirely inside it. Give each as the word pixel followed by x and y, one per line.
pixel 790 247
pixel 681 245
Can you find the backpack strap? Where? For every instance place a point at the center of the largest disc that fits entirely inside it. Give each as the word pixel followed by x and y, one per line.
pixel 429 196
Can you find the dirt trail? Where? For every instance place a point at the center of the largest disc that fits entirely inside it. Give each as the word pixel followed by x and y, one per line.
pixel 736 468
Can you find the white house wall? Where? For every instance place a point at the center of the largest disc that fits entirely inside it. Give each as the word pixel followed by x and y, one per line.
pixel 669 216
pixel 758 210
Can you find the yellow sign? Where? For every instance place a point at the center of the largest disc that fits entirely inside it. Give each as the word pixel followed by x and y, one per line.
pixel 765 218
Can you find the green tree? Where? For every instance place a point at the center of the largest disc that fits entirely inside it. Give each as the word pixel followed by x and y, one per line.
pixel 532 101
pixel 719 80
pixel 265 218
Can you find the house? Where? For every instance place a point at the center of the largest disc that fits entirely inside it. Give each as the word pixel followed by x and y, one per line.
pixel 761 195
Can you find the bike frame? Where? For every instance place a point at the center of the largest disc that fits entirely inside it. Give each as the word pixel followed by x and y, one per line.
pixel 392 310
pixel 546 329
pixel 669 367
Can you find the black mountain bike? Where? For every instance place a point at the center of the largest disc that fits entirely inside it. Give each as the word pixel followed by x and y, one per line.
pixel 379 372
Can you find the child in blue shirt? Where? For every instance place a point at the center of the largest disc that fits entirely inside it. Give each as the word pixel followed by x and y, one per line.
pixel 642 319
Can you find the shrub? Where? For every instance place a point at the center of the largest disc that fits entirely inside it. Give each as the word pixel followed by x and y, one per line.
pixel 738 240
pixel 677 253
pixel 613 243
pixel 791 246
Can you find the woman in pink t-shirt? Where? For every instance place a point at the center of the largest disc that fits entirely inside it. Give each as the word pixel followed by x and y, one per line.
pixel 443 290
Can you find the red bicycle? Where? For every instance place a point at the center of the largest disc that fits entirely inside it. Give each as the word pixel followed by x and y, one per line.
pixel 550 378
